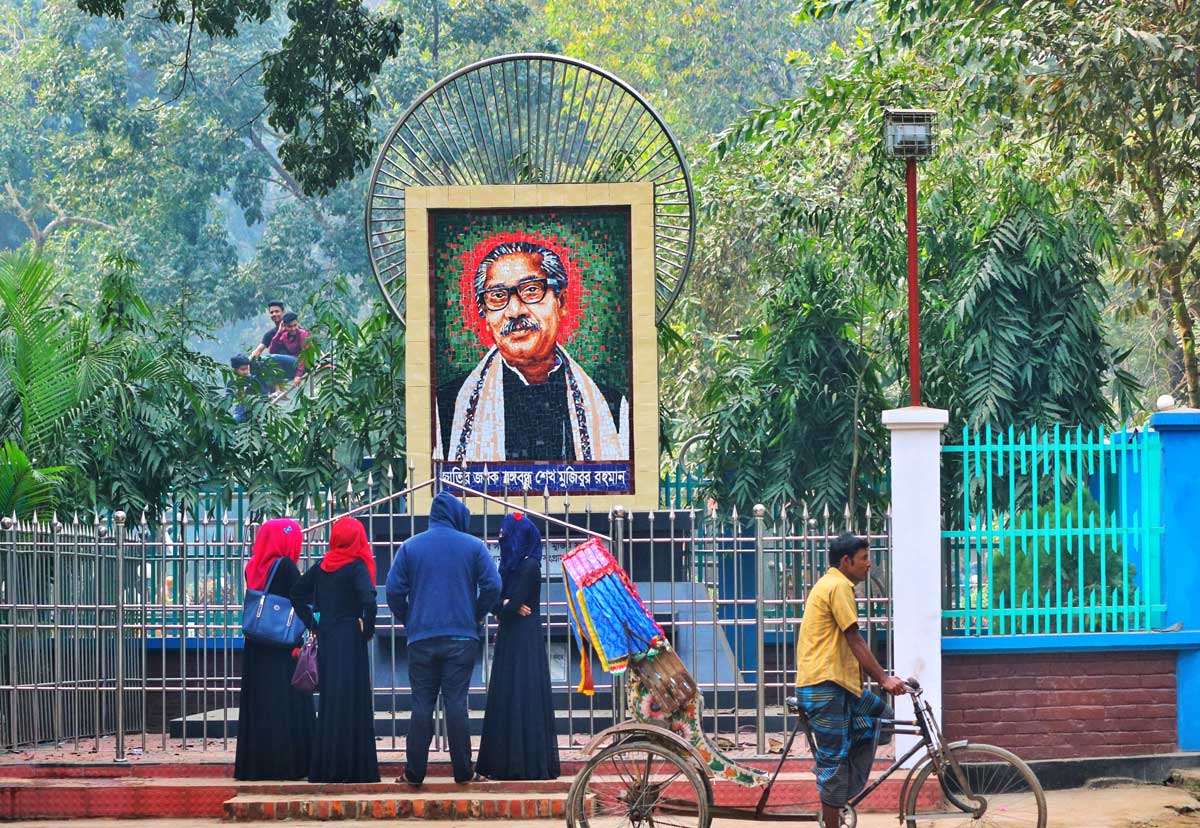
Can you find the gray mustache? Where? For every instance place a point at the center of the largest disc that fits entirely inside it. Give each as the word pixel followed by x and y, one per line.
pixel 520 323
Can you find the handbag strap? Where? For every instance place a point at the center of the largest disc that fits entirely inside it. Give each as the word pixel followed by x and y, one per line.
pixel 271 575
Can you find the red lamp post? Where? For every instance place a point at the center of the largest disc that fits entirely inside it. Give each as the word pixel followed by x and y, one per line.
pixel 908 134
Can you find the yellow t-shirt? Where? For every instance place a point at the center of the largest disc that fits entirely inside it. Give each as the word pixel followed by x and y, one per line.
pixel 822 653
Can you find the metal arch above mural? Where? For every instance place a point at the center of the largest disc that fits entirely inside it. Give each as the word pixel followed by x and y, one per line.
pixel 531 119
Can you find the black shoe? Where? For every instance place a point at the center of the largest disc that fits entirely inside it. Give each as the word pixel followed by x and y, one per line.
pixel 408 780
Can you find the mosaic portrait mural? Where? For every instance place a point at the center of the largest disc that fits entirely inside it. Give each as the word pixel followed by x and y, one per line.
pixel 530 347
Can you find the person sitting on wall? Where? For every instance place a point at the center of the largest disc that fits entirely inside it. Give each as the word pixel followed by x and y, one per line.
pixel 831 657
pixel 286 346
pixel 275 310
pixel 245 382
pixel 519 288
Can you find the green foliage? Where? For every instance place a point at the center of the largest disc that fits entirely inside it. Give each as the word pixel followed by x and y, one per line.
pixel 1025 342
pixel 803 256
pixel 792 407
pixel 128 414
pixel 24 489
pixel 701 64
pixel 1112 90
pixel 1071 563
pixel 314 84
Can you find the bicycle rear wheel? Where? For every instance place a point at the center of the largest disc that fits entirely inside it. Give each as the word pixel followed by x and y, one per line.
pixel 638 784
pixel 1000 790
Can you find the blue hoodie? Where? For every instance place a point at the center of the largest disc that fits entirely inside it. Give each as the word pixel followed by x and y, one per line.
pixel 442 581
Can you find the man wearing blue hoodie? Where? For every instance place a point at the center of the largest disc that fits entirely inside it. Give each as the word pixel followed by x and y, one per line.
pixel 441 587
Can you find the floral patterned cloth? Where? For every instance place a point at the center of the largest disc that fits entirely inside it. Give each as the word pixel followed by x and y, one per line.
pixel 687 723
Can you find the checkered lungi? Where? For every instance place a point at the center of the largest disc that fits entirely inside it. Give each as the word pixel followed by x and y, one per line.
pixel 845 731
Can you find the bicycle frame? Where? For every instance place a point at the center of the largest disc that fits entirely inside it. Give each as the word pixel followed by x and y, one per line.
pixel 931 741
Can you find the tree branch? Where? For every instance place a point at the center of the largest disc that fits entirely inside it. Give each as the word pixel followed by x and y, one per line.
pixel 289 181
pixel 60 221
pixel 66 221
pixel 26 216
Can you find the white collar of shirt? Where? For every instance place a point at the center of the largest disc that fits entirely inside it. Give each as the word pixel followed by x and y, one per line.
pixel 558 363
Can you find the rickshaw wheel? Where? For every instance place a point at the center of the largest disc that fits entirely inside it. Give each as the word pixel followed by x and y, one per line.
pixel 638 783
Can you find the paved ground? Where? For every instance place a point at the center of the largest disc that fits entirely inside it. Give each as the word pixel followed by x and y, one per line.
pixel 1141 806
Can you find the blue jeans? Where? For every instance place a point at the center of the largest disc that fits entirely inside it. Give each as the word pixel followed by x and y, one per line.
pixel 278 368
pixel 440 665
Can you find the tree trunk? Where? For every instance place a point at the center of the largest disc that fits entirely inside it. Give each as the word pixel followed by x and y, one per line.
pixel 1187 339
pixel 1173 353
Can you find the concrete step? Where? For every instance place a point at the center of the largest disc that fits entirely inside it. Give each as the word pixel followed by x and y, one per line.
pixel 462 804
pixel 205 797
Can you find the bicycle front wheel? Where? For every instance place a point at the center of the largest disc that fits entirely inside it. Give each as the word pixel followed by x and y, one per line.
pixel 990 787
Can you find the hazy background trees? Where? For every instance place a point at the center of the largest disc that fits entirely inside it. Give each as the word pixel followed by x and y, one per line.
pixel 175 169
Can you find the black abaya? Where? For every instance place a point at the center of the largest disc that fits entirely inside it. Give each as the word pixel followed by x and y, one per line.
pixel 344 749
pixel 275 722
pixel 519 740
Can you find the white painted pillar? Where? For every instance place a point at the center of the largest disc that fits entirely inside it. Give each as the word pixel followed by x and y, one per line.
pixel 916 487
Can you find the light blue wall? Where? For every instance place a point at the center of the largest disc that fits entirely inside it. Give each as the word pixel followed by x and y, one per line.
pixel 1180 434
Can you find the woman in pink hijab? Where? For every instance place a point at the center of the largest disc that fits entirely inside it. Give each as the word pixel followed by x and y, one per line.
pixel 275 722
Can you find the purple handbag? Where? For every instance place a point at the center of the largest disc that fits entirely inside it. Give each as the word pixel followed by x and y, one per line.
pixel 305 677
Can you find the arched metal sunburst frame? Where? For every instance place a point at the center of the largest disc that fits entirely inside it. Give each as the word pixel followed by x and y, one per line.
pixel 531 119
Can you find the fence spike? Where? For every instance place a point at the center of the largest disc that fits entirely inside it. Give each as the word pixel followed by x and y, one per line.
pixel 390 474
pixel 370 479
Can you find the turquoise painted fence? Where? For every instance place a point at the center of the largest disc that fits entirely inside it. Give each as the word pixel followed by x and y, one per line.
pixel 680 487
pixel 1054 531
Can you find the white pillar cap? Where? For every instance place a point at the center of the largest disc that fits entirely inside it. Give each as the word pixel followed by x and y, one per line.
pixel 915 417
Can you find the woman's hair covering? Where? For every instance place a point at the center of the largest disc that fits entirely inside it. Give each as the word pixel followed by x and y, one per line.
pixel 519 539
pixel 348 543
pixel 278 538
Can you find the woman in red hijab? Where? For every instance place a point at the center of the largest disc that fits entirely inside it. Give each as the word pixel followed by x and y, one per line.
pixel 275 722
pixel 342 589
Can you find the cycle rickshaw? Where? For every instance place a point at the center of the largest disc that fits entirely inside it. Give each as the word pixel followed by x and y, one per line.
pixel 659 769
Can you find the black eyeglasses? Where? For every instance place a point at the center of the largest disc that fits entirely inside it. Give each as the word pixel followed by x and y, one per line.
pixel 530 292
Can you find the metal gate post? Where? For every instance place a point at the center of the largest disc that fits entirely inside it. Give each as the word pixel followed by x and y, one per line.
pixel 760 633
pixel 619 552
pixel 9 525
pixel 119 519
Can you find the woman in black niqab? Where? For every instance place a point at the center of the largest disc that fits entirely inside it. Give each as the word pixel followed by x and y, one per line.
pixel 519 739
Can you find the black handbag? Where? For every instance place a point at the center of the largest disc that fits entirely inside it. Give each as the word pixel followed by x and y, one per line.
pixel 270 619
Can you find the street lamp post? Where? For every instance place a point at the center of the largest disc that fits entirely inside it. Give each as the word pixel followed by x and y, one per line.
pixel 908 134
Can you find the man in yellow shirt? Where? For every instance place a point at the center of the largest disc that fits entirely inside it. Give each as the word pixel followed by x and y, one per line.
pixel 831 658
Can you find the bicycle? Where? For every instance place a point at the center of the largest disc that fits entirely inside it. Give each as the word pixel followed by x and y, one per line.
pixel 657 773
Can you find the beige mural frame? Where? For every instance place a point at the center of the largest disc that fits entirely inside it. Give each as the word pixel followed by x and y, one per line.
pixel 639 197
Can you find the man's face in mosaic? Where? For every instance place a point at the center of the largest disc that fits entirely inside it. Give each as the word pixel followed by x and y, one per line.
pixel 524 333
